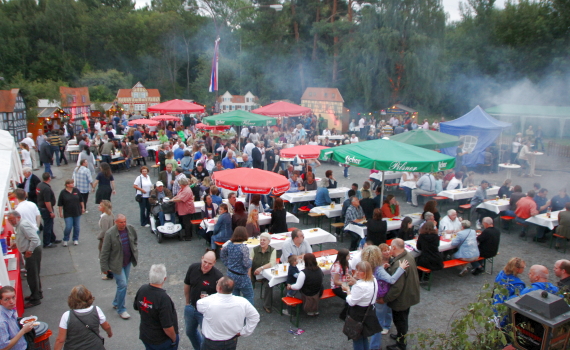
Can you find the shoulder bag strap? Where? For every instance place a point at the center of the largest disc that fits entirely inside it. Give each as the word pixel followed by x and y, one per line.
pixel 86 325
pixel 465 238
pixel 374 292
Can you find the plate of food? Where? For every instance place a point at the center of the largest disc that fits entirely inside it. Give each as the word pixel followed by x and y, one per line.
pixel 29 319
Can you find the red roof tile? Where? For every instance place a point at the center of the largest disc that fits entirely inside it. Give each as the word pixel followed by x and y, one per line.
pixel 322 94
pixel 78 93
pixel 8 100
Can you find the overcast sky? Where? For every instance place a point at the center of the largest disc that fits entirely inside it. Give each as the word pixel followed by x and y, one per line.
pixel 451 7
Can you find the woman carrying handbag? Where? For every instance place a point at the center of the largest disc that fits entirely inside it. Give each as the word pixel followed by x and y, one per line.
pixel 361 321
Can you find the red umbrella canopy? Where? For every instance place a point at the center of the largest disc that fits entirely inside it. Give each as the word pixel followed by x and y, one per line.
pixel 212 127
pixel 249 180
pixel 161 118
pixel 143 121
pixel 303 152
pixel 282 109
pixel 176 106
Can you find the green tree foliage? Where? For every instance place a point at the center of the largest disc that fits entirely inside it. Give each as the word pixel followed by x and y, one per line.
pixel 376 52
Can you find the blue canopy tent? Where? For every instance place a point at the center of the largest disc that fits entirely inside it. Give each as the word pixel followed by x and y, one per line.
pixel 478 130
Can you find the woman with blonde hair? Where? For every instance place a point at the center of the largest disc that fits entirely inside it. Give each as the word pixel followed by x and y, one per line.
pixel 384 281
pixel 509 278
pixel 252 224
pixel 79 327
pixel 360 299
pixel 106 221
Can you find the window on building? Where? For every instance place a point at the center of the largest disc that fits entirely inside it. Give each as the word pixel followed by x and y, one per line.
pixel 74 99
pixel 140 107
pixel 333 95
pixel 83 99
pixel 326 94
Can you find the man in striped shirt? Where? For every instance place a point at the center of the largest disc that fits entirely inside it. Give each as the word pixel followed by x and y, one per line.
pixel 55 142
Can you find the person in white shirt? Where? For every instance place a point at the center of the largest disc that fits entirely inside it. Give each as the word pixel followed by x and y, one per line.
pixel 226 317
pixel 359 298
pixel 326 132
pixel 248 147
pixel 97 125
pixel 244 133
pixel 456 183
pixel 353 139
pixel 450 223
pixel 28 210
pixel 33 151
pixel 425 185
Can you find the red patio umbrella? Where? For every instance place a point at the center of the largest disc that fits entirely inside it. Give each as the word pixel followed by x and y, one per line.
pixel 162 118
pixel 212 127
pixel 251 181
pixel 143 121
pixel 303 152
pixel 176 106
pixel 282 109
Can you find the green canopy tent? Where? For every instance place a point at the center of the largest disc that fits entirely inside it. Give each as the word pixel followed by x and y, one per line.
pixel 239 118
pixel 427 139
pixel 388 155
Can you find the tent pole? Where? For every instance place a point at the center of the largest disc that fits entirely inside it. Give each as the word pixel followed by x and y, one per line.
pixel 500 145
pixel 382 189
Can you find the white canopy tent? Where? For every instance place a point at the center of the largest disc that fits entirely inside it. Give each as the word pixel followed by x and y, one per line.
pixel 10 175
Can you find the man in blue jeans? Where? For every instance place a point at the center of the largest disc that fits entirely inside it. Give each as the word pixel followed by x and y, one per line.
pixel 200 281
pixel 119 252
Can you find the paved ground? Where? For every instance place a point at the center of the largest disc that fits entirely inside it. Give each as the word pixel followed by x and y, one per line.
pixel 63 268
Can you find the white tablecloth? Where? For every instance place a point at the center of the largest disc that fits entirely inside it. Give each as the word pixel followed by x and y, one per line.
pixel 332 137
pixel 305 196
pixel 467 193
pixel 199 205
pixel 264 219
pixel 281 277
pixel 328 211
pixel 72 148
pixel 542 220
pixel 152 143
pixel 411 246
pixel 390 175
pixel 393 224
pixel 495 206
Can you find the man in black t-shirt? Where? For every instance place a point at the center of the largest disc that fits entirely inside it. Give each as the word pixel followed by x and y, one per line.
pixel 488 242
pixel 46 203
pixel 199 172
pixel 200 281
pixel 159 324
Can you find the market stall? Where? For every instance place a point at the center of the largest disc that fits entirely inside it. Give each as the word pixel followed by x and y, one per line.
pixel 11 174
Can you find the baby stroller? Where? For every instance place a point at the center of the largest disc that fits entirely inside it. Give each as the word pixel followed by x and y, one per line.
pixel 169 229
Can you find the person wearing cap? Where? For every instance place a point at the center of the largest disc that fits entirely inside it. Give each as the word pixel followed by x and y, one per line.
pixel 156 197
pixel 479 197
pixel 264 257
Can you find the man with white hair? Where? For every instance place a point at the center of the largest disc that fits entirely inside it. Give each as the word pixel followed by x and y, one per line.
pixel 159 322
pixel 226 317
pixel 488 241
pixel 30 184
pixel 229 162
pixel 33 150
pixel 450 223
pixel 538 276
pixel 246 161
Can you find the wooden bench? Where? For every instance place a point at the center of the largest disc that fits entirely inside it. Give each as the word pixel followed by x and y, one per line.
pixel 509 219
pixel 138 160
pixel 155 167
pixel 118 164
pixel 325 252
pixel 554 235
pixel 317 217
pixel 336 226
pixel 296 303
pixel 466 207
pixel 427 273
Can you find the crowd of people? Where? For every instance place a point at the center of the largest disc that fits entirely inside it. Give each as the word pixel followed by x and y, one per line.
pixel 383 278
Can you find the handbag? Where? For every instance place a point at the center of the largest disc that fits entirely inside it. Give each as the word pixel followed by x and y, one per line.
pixel 87 326
pixel 352 328
pixel 138 197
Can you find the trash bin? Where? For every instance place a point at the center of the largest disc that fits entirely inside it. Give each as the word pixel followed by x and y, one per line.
pixel 42 337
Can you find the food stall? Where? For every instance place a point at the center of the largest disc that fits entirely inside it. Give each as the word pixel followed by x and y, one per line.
pixel 12 174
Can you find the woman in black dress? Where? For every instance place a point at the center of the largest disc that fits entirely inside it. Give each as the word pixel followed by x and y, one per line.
pixel 428 244
pixel 377 227
pixel 406 229
pixel 105 183
pixel 278 217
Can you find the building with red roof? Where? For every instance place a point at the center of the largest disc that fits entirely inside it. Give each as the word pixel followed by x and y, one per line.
pixel 138 99
pixel 13 113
